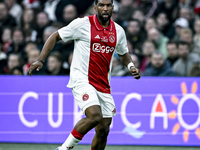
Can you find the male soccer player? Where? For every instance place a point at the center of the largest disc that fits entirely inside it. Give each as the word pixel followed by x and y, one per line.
pixel 96 38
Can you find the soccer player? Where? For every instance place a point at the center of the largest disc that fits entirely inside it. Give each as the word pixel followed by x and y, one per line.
pixel 96 38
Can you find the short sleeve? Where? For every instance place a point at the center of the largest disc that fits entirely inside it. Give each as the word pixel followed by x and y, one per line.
pixel 70 32
pixel 121 47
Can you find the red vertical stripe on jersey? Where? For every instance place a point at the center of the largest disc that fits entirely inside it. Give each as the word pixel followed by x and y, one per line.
pixel 102 46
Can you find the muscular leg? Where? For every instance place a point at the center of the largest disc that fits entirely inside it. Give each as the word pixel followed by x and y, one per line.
pixel 100 138
pixel 93 117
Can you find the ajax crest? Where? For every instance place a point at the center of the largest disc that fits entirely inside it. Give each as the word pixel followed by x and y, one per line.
pixel 111 39
pixel 85 97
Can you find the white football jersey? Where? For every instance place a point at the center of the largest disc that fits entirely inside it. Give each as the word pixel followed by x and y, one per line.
pixel 93 51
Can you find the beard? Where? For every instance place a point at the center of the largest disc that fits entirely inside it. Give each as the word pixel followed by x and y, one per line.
pixel 104 19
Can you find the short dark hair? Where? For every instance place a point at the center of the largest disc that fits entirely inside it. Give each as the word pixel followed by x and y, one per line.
pixel 135 20
pixel 20 58
pixel 19 68
pixel 18 29
pixel 153 42
pixel 157 52
pixel 172 42
pixel 96 2
pixel 57 55
pixel 183 43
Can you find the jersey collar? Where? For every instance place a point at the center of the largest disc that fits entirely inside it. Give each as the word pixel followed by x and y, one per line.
pixel 99 26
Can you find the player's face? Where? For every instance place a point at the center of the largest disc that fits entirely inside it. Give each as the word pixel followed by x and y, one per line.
pixel 104 10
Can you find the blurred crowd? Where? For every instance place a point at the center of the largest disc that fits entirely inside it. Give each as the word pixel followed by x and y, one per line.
pixel 163 35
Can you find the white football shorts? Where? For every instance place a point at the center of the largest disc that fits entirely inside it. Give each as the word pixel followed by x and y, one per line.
pixel 86 95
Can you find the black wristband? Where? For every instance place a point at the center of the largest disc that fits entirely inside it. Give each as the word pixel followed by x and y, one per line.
pixel 40 61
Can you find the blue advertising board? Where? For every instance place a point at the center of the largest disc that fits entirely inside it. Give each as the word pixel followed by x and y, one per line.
pixel 149 111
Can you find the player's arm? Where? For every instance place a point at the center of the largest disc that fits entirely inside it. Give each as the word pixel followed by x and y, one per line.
pixel 127 61
pixel 48 46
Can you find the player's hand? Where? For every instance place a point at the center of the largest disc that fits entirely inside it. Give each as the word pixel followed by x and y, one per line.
pixel 135 72
pixel 36 65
